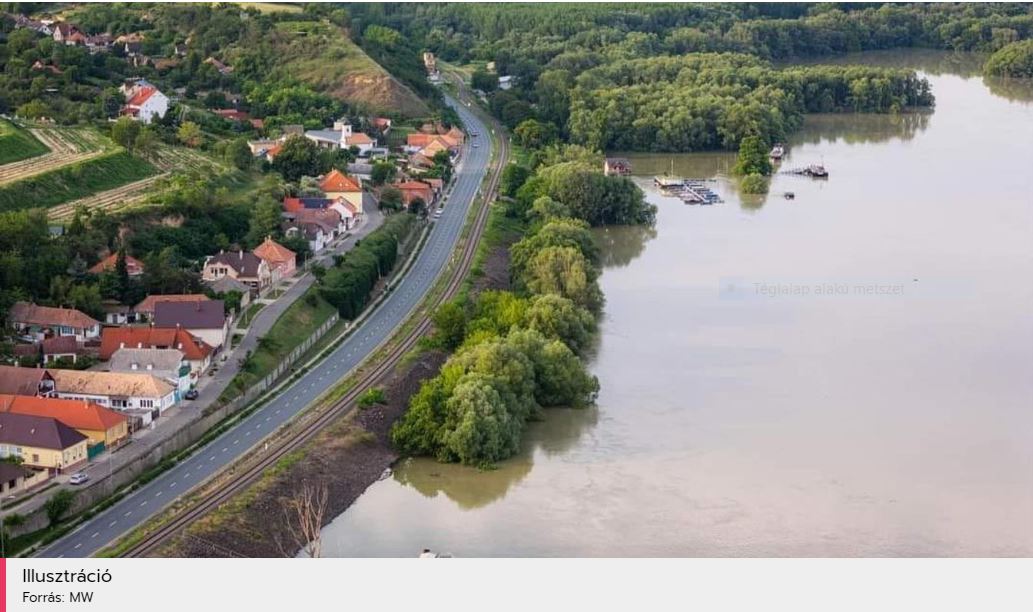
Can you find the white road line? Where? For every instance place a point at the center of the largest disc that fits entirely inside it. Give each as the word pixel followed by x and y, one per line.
pixel 158 494
pixel 78 546
pixel 95 534
pixel 128 513
pixel 142 504
pixel 112 523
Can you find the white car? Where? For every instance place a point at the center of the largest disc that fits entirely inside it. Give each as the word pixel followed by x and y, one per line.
pixel 78 478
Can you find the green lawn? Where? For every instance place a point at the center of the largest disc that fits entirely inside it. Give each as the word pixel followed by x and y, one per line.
pixel 249 314
pixel 75 181
pixel 17 144
pixel 293 327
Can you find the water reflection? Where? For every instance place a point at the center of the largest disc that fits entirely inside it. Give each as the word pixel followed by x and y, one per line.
pixel 1015 90
pixel 857 128
pixel 619 246
pixel 929 61
pixel 471 488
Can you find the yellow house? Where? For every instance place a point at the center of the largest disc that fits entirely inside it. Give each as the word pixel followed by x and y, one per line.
pixel 337 184
pixel 101 425
pixel 41 442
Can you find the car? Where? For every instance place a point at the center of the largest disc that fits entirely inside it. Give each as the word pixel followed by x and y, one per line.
pixel 475 145
pixel 78 478
pixel 191 394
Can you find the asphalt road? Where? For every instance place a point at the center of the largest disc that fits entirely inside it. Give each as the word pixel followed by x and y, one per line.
pixel 146 502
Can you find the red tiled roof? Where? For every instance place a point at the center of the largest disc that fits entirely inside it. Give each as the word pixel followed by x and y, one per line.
pixel 421 140
pixel 31 314
pixel 338 182
pixel 142 95
pixel 113 338
pixel 273 251
pixel 133 265
pixel 358 139
pixel 60 345
pixel 232 114
pixel 76 414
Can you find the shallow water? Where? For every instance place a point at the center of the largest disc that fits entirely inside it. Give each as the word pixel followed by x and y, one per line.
pixel 845 373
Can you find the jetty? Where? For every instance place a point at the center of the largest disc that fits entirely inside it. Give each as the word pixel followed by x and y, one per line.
pixel 690 191
pixel 813 171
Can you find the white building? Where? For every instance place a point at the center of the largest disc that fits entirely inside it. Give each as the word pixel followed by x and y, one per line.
pixel 167 364
pixel 144 396
pixel 341 137
pixel 144 102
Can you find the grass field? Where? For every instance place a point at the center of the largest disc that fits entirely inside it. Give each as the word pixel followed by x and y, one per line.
pixel 17 144
pixel 78 180
pixel 65 147
pixel 271 7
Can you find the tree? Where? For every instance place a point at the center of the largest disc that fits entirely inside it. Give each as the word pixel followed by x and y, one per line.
pixel 513 178
pixel 559 318
pixel 189 133
pixel 265 220
pixel 450 325
pixel 390 199
pixel 563 271
pixel 753 184
pixel 417 206
pixel 238 154
pixel 383 171
pixel 1013 60
pixel 146 141
pixel 484 80
pixel 485 430
pixel 753 157
pixel 303 514
pixel 125 132
pixel 534 134
pixel 58 505
pixel 298 157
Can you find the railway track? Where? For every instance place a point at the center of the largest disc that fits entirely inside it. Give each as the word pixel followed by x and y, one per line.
pixel 152 541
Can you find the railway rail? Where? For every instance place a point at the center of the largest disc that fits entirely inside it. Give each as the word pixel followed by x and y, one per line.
pixel 241 480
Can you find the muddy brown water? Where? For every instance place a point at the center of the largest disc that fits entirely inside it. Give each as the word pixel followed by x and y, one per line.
pixel 845 373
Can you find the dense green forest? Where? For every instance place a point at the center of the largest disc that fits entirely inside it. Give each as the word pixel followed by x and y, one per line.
pixel 1014 60
pixel 677 77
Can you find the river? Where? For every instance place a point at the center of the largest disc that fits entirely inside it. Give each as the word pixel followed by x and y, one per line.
pixel 847 373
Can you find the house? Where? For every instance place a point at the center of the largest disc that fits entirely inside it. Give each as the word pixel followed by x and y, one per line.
pixel 167 364
pixel 196 352
pixel 15 479
pixel 41 442
pixel 281 260
pixel 40 322
pixel 39 66
pixel 360 170
pixel 337 184
pixel 132 48
pixel 505 82
pixel 292 129
pixel 413 190
pixel 133 265
pixel 116 313
pixel 305 209
pixel 616 166
pixel 231 114
pixel 319 225
pixel 259 147
pixel 26 381
pixel 144 102
pixel 68 34
pixel 61 347
pixel 206 320
pixel 314 234
pixel 145 309
pixel 341 137
pixel 142 397
pixel 226 284
pixel 100 425
pixel 430 62
pixel 98 42
pixel 245 267
pixel 221 67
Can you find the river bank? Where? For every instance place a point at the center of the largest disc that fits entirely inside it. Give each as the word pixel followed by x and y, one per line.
pixel 753 424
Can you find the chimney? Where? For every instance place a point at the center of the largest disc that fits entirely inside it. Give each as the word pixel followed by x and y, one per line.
pixel 139 345
pixel 133 366
pixel 121 345
pixel 180 346
pixel 150 366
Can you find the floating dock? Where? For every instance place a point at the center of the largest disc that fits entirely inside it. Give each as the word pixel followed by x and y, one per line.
pixel 813 171
pixel 690 191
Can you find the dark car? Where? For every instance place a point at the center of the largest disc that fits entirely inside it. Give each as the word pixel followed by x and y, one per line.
pixel 191 394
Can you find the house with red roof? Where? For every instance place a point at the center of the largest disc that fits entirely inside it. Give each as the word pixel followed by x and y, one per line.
pixel 196 352
pixel 341 137
pixel 412 190
pixel 280 259
pixel 41 322
pixel 144 102
pixel 133 265
pixel 337 184
pixel 100 425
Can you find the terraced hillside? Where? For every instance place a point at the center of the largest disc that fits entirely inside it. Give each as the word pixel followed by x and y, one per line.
pixel 17 144
pixel 66 146
pixel 167 159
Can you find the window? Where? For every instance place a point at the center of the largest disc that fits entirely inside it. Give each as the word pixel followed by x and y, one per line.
pixel 35 458
pixel 144 403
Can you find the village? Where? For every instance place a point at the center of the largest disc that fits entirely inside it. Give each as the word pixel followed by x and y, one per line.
pixel 77 389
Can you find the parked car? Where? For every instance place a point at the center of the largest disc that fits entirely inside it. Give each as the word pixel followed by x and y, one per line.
pixel 191 394
pixel 78 478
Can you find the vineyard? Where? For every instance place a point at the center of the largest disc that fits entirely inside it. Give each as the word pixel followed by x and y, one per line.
pixel 67 146
pixel 16 144
pixel 167 159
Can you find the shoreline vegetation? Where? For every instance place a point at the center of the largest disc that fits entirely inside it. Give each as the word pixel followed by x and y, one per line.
pixel 514 352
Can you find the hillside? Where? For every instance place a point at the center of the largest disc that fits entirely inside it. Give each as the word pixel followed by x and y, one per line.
pixel 322 55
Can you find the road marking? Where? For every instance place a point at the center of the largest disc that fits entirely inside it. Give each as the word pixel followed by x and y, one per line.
pixel 224 449
pixel 235 442
pixel 95 534
pixel 158 494
pixel 78 546
pixel 212 458
pixel 112 523
pixel 128 513
pixel 172 485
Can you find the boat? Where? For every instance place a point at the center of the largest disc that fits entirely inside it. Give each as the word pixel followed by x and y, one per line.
pixel 789 195
pixel 777 152
pixel 817 171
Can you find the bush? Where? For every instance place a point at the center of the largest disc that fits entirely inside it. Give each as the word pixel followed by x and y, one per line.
pixel 372 397
pixel 58 505
pixel 754 184
pixel 1014 60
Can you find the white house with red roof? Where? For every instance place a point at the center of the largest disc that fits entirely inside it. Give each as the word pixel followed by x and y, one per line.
pixel 144 102
pixel 342 137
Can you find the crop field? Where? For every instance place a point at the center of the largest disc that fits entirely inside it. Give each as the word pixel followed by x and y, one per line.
pixel 137 193
pixel 68 146
pixel 17 144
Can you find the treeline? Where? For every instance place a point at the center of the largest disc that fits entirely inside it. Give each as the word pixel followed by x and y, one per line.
pixel 1014 60
pixel 348 284
pixel 709 101
pixel 517 352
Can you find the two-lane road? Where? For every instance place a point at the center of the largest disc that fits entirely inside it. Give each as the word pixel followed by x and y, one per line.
pixel 142 505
